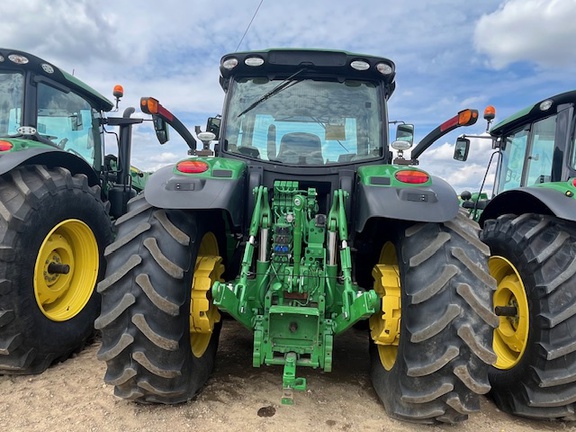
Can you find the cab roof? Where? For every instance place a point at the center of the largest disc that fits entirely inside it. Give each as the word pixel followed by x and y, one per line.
pixel 281 63
pixel 541 109
pixel 11 59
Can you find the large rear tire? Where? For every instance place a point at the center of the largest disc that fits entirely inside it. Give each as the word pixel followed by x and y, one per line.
pixel 53 231
pixel 534 262
pixel 431 344
pixel 159 327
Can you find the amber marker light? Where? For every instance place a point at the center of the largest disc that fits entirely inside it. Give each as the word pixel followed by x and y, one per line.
pixel 467 117
pixel 5 146
pixel 149 105
pixel 489 113
pixel 191 167
pixel 412 177
pixel 118 91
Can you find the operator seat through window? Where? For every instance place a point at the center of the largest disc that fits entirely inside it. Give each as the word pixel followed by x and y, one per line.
pixel 301 148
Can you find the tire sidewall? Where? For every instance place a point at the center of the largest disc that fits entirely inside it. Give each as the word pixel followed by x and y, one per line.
pixel 52 209
pixel 513 250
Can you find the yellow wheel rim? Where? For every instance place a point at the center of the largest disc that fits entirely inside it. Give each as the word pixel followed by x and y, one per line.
pixel 66 270
pixel 385 325
pixel 511 335
pixel 203 314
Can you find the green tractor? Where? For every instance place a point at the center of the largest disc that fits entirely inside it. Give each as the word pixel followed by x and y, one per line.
pixel 299 226
pixel 530 227
pixel 57 195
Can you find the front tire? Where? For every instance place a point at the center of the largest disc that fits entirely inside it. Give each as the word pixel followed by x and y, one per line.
pixel 431 345
pixel 159 327
pixel 53 231
pixel 533 261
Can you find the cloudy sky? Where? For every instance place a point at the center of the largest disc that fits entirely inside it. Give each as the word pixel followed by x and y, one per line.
pixel 449 54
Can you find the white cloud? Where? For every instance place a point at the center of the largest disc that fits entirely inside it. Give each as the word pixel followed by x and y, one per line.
pixel 170 50
pixel 539 31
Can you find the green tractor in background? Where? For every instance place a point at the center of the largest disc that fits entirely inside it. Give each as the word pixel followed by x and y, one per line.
pixel 299 226
pixel 530 226
pixel 58 192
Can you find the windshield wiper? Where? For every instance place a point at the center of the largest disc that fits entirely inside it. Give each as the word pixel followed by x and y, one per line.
pixel 288 82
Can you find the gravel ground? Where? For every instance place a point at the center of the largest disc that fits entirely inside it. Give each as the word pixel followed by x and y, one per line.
pixel 72 396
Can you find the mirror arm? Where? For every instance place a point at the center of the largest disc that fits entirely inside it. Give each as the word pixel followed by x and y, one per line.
pixel 446 127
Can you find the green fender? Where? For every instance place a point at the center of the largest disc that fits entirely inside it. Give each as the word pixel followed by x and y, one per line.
pixel 435 201
pixel 556 199
pixel 50 157
pixel 222 186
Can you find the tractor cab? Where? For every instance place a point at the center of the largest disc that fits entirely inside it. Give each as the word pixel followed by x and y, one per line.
pixel 536 157
pixel 305 115
pixel 48 108
pixel 329 109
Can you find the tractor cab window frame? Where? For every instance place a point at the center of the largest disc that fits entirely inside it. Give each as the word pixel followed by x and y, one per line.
pixel 572 140
pixel 527 155
pixel 307 122
pixel 514 146
pixel 69 121
pixel 12 85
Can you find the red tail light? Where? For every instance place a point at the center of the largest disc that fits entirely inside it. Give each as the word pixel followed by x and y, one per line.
pixel 5 146
pixel 192 167
pixel 412 177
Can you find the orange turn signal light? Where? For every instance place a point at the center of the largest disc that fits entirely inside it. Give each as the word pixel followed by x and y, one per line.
pixel 412 177
pixel 467 117
pixel 149 105
pixel 192 167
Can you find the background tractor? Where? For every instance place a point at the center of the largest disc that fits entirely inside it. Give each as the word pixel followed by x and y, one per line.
pixel 530 226
pixel 57 195
pixel 299 226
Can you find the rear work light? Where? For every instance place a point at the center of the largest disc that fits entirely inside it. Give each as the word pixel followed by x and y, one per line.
pixel 254 61
pixel 360 65
pixel 384 69
pixel 5 146
pixel 230 63
pixel 412 177
pixel 192 167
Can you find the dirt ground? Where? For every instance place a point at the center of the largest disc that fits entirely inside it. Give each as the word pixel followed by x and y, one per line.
pixel 72 396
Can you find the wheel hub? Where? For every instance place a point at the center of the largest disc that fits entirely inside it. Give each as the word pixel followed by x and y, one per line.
pixel 66 270
pixel 511 335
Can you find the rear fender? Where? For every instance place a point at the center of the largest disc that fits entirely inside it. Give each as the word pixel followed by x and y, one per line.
pixel 222 186
pixel 435 202
pixel 556 199
pixel 51 158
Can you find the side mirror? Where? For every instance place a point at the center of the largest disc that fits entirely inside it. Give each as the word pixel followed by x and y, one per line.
pixel 161 129
pixel 461 149
pixel 405 132
pixel 213 125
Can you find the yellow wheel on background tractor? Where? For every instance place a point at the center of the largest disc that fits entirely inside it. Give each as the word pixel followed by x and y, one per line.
pixel 66 270
pixel 385 326
pixel 511 336
pixel 203 314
